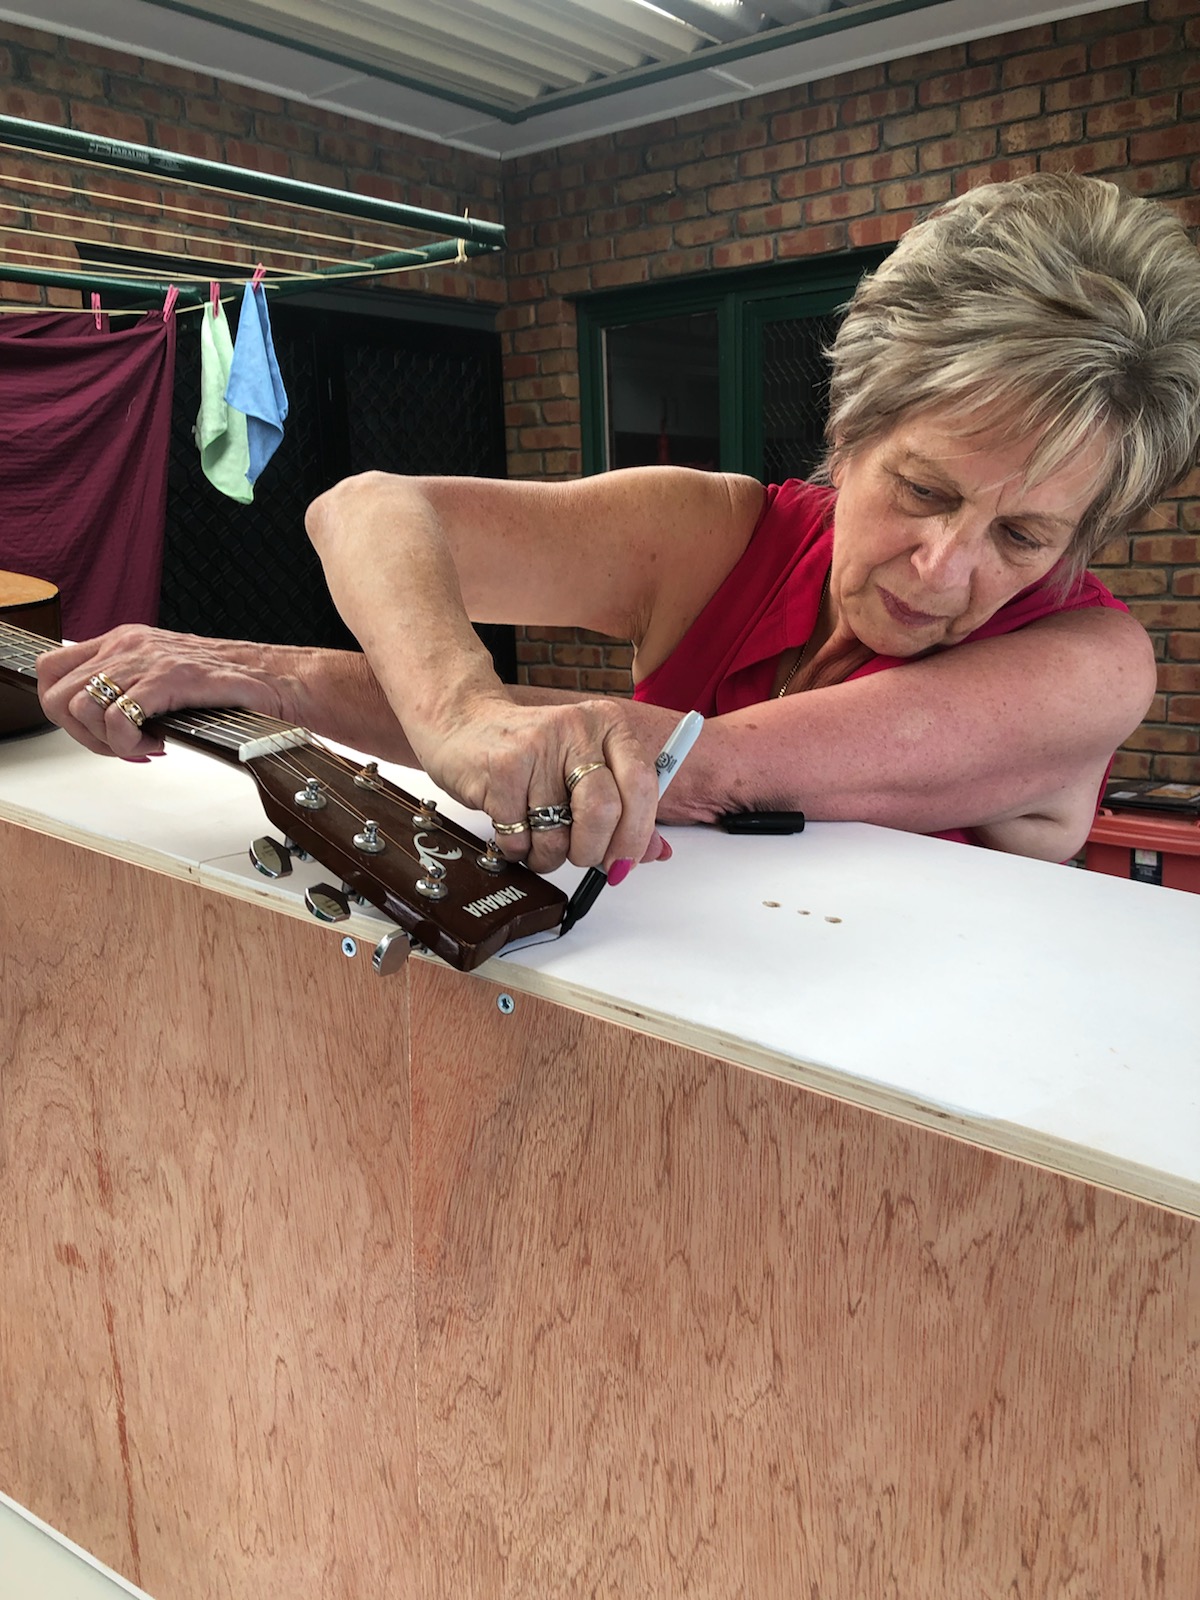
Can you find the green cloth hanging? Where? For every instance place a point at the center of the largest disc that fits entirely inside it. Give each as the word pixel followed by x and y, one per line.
pixel 221 429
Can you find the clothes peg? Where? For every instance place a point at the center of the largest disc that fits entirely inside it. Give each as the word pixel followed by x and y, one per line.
pixel 214 298
pixel 96 311
pixel 169 302
pixel 260 273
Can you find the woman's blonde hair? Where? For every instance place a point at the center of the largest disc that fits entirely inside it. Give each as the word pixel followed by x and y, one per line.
pixel 1054 306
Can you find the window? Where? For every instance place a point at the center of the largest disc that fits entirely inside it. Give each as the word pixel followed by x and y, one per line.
pixel 723 372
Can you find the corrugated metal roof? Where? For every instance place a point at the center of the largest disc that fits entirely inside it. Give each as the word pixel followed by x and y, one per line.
pixel 514 56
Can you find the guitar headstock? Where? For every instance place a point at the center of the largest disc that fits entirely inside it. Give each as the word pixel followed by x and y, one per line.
pixel 429 874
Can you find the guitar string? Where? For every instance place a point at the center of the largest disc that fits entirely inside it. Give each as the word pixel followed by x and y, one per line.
pixel 217 721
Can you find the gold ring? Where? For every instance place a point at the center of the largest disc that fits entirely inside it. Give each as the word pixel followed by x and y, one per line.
pixel 510 827
pixel 129 706
pixel 103 690
pixel 578 773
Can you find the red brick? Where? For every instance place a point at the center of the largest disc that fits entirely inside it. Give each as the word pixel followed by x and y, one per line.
pixel 932 124
pixel 915 192
pixel 800 124
pixel 642 187
pixel 1136 45
pixel 1186 582
pixel 1114 552
pixel 954 87
pixel 1172 72
pixel 928 63
pixel 1038 37
pixel 847 142
pixel 834 207
pixel 1169 741
pixel 812 241
pixel 1167 548
pixel 1130 766
pixel 706 174
pixel 1162 177
pixel 1167 10
pixel 147 97
pixel 746 253
pixel 810 180
pixel 1065 127
pixel 957 152
pixel 1181 140
pixel 994 172
pixel 881 103
pixel 868 231
pixel 643 242
pixel 1184 708
pixel 103 56
pixel 1044 66
pixel 773 158
pixel 1010 107
pixel 1089 25
pixel 1179 680
pixel 615 274
pixel 1184 646
pixel 66 78
pixel 1167 613
pixel 880 168
pixel 844 84
pixel 1189 103
pixel 1093 89
pixel 1107 157
pixel 1176 769
pixel 776 218
pixel 33 107
pixel 728 141
pixel 1125 116
pixel 1126 581
pixel 737 196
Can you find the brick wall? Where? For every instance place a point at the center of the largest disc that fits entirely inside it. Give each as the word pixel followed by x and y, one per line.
pixel 844 163
pixel 821 168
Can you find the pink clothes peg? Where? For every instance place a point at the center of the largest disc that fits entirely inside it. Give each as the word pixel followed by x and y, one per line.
pixel 214 297
pixel 96 310
pixel 260 273
pixel 169 302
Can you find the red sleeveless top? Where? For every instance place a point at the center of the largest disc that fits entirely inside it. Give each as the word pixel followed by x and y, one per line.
pixel 768 603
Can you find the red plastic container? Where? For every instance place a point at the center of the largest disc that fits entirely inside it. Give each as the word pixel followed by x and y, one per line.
pixel 1148 846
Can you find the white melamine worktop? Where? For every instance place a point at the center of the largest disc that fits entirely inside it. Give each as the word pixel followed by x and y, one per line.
pixel 1033 1008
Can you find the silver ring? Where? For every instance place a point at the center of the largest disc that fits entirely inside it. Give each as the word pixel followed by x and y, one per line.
pixel 543 818
pixel 103 690
pixel 505 828
pixel 578 773
pixel 129 706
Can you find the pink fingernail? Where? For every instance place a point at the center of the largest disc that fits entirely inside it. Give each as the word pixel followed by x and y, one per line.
pixel 137 761
pixel 666 852
pixel 618 872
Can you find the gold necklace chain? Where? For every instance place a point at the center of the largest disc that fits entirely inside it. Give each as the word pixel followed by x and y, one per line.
pixel 799 661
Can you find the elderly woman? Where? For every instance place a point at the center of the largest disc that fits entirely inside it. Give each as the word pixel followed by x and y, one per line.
pixel 1019 382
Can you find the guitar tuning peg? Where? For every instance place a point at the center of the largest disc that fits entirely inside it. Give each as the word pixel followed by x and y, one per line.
pixel 273 860
pixel 391 952
pixel 426 817
pixel 352 895
pixel 326 903
pixel 297 850
pixel 491 860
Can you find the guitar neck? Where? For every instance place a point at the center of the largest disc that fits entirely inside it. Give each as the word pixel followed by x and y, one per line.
pixel 229 735
pixel 426 872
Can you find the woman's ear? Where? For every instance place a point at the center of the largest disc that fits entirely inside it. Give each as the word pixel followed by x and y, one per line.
pixel 835 464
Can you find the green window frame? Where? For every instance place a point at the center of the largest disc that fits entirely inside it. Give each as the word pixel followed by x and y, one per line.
pixel 745 304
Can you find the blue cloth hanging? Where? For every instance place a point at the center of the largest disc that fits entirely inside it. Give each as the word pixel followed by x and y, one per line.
pixel 255 386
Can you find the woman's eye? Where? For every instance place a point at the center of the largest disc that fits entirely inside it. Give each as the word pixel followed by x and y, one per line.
pixel 1020 540
pixel 918 490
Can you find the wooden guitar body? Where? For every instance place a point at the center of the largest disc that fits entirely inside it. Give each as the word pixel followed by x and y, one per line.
pixel 26 603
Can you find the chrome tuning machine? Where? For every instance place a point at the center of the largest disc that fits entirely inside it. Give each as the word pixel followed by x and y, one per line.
pixel 272 859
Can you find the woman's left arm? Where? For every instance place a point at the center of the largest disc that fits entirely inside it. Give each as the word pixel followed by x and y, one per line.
pixel 1010 736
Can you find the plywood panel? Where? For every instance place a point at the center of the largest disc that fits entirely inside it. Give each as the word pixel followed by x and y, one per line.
pixel 684 1329
pixel 206 1330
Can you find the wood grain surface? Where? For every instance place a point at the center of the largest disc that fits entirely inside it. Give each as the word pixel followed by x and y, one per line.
pixel 320 1285
pixel 687 1330
pixel 206 1331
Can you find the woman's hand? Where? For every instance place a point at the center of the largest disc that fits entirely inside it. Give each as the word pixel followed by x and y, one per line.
pixel 158 672
pixel 506 759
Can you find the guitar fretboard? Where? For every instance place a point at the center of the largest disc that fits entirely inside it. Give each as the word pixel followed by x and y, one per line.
pixel 242 735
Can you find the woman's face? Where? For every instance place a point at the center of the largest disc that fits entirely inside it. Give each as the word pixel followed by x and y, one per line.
pixel 935 530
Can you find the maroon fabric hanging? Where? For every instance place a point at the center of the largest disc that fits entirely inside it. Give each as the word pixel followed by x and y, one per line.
pixel 85 425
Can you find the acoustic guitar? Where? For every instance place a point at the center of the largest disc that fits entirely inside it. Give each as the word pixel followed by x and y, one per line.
pixel 26 603
pixel 446 889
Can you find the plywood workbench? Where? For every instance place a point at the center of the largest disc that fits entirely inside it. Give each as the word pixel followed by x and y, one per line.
pixel 819 1220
